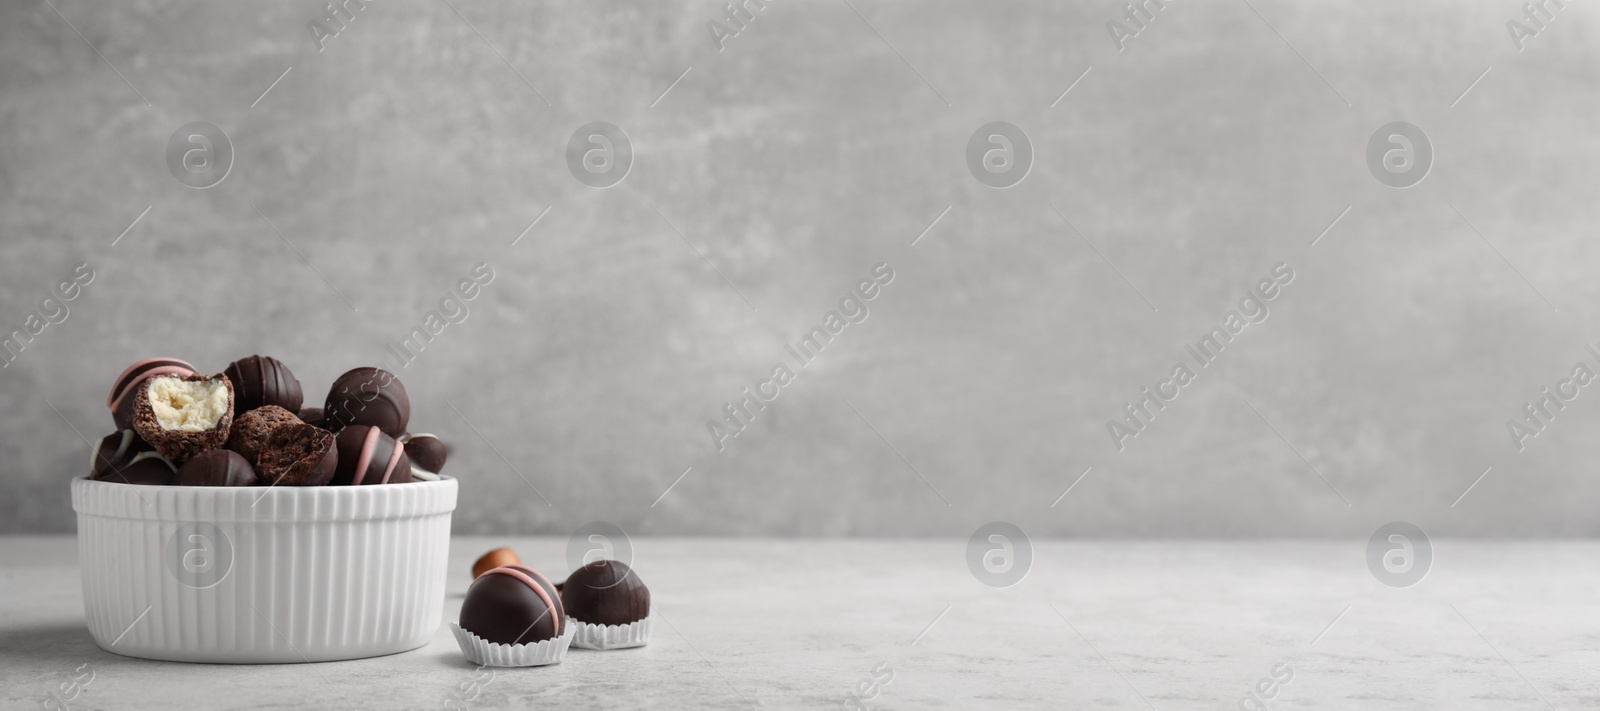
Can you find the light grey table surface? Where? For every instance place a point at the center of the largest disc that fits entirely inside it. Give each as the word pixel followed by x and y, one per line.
pixel 797 624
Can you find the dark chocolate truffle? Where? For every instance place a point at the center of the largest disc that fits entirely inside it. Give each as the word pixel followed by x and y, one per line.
pixel 297 455
pixel 606 592
pixel 250 430
pixel 182 416
pixel 145 467
pixel 368 396
pixel 121 398
pixel 312 416
pixel 513 604
pixel 368 456
pixel 259 381
pixel 426 451
pixel 217 467
pixel 116 451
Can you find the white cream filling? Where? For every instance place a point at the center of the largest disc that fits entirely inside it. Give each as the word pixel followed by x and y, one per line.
pixel 188 405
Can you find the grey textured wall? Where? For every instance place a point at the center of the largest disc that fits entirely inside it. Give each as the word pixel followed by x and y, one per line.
pixel 1219 143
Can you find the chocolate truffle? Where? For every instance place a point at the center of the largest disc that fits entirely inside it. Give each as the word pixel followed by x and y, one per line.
pixel 297 455
pixel 250 430
pixel 494 559
pixel 145 467
pixel 259 381
pixel 368 396
pixel 183 415
pixel 115 451
pixel 426 451
pixel 121 398
pixel 606 592
pixel 217 467
pixel 368 456
pixel 312 416
pixel 513 604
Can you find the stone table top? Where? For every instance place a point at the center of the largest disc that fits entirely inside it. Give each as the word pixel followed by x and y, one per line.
pixel 775 623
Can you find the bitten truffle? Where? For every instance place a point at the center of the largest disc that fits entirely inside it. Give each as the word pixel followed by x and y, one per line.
pixel 368 456
pixel 513 604
pixel 297 455
pixel 606 592
pixel 259 381
pixel 121 398
pixel 217 467
pixel 182 416
pixel 368 396
pixel 427 452
pixel 312 416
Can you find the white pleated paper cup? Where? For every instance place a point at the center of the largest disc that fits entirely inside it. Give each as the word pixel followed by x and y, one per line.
pixel 592 636
pixel 493 654
pixel 263 575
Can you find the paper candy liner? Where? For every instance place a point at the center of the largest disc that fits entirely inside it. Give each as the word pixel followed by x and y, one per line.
pixel 592 636
pixel 481 651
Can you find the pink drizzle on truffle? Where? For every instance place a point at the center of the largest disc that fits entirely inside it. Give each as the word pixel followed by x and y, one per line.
pixel 527 575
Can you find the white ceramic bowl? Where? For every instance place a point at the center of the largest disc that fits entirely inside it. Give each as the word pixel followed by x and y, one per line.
pixel 254 575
